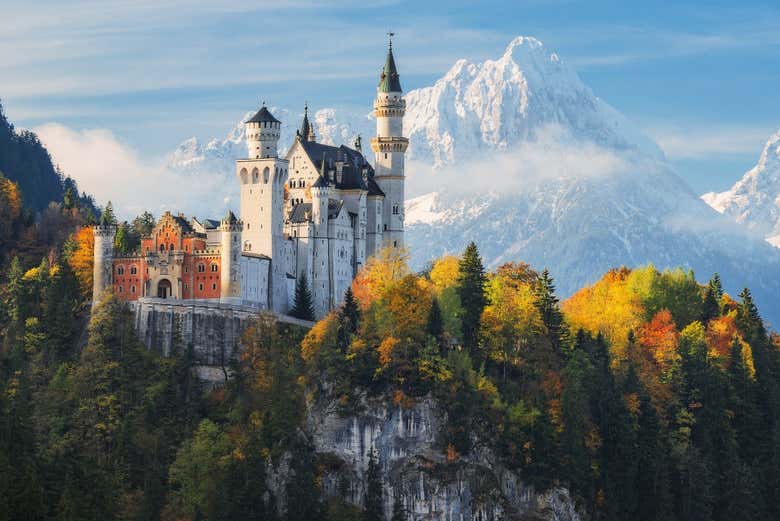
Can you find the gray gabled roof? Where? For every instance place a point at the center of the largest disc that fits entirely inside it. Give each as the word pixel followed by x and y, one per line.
pixel 263 115
pixel 353 163
pixel 301 213
pixel 210 224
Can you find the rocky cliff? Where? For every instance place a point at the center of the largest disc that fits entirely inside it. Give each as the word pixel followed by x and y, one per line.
pixel 476 487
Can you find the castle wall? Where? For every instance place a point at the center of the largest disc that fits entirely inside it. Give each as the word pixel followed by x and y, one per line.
pixel 212 329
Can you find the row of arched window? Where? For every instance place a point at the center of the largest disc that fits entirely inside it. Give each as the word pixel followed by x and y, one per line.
pixel 120 270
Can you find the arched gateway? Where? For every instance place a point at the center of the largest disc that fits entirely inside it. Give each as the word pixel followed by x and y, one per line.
pixel 164 288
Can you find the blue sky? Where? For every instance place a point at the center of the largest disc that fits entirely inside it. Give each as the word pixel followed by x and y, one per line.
pixel 700 77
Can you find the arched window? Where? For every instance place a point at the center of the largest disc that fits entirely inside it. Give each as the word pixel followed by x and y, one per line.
pixel 120 270
pixel 266 175
pixel 133 271
pixel 214 267
pixel 171 248
pixel 395 209
pixel 162 247
pixel 132 289
pixel 244 176
pixel 255 175
pixel 201 268
pixel 119 288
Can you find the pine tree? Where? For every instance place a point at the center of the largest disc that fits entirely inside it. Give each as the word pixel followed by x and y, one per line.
pixel 303 307
pixel 348 318
pixel 374 504
pixel 716 286
pixel 121 241
pixel 350 310
pixel 471 290
pixel 399 513
pixel 108 217
pixel 435 325
pixel 547 304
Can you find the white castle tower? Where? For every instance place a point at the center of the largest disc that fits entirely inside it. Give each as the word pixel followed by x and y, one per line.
pixel 103 270
pixel 389 147
pixel 230 272
pixel 262 177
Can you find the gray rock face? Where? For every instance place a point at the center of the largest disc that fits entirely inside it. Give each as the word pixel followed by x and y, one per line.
pixel 212 329
pixel 476 487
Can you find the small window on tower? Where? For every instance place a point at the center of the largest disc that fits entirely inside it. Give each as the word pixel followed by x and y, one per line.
pixel 395 209
pixel 214 267
pixel 201 268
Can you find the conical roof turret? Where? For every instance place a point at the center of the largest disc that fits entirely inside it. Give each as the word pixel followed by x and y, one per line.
pixel 389 81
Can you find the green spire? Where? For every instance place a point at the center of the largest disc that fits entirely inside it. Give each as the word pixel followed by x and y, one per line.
pixel 389 80
pixel 306 133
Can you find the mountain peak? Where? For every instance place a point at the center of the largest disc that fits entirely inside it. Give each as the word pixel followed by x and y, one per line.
pixel 525 42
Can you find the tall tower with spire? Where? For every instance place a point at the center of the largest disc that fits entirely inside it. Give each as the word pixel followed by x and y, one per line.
pixel 306 133
pixel 389 147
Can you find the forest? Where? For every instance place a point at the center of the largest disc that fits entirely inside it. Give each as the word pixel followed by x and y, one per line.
pixel 648 394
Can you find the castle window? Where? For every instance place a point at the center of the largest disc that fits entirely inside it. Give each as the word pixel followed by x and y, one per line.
pixel 395 244
pixel 133 270
pixel 385 227
pixel 119 289
pixel 171 247
pixel 186 269
pixel 214 267
pixel 200 287
pixel 201 268
pixel 213 287
pixel 266 175
pixel 120 270
pixel 162 247
pixel 385 155
pixel 132 289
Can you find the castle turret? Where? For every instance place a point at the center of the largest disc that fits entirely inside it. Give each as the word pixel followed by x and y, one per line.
pixel 306 133
pixel 262 178
pixel 230 265
pixel 320 277
pixel 103 269
pixel 389 147
pixel 262 134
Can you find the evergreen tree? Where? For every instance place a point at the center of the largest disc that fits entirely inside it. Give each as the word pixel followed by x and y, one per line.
pixel 399 513
pixel 716 286
pixel 374 503
pixel 108 217
pixel 302 307
pixel 547 304
pixel 471 290
pixel 121 240
pixel 435 326
pixel 348 319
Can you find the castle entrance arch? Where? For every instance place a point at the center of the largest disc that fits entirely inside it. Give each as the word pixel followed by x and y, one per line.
pixel 164 288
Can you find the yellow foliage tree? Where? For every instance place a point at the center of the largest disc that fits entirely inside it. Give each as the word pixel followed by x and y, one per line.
pixel 81 260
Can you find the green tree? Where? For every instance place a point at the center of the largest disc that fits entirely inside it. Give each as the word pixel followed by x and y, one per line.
pixel 107 216
pixel 122 239
pixel 549 309
pixel 374 502
pixel 399 512
pixel 471 290
pixel 435 326
pixel 302 307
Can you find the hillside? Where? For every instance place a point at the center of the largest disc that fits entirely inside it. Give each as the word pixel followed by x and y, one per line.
pixel 453 393
pixel 25 161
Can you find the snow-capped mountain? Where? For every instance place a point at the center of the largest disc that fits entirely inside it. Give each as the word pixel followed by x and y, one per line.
pixel 519 155
pixel 493 106
pixel 754 200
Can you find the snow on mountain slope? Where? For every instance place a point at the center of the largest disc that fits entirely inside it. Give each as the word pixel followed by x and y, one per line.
pixel 754 200
pixel 495 105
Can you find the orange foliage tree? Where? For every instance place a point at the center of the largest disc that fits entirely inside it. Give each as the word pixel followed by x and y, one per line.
pixel 81 259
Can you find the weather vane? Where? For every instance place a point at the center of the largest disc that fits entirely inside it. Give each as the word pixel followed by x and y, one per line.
pixel 390 35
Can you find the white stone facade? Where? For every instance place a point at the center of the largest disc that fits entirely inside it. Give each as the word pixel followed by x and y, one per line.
pixel 320 212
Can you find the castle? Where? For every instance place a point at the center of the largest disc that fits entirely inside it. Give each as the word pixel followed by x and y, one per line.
pixel 317 213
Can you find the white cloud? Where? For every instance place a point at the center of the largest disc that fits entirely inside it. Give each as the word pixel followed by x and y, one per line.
pixel 708 142
pixel 112 171
pixel 552 155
